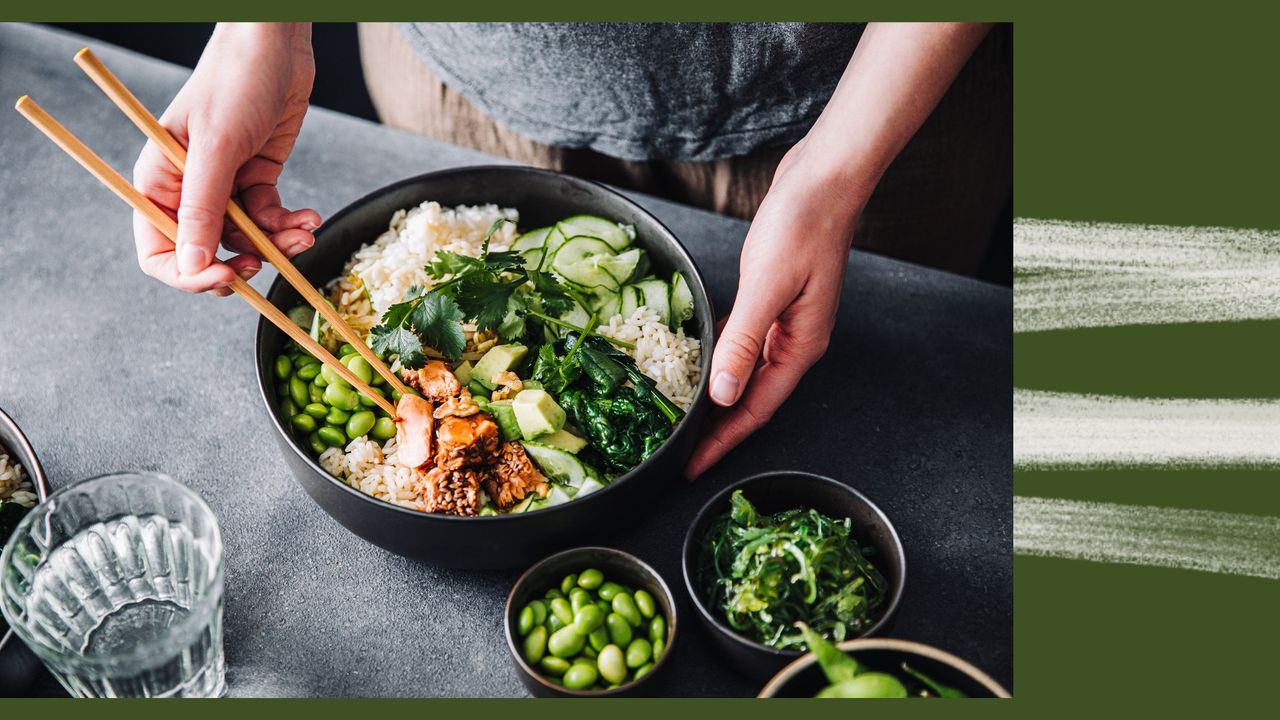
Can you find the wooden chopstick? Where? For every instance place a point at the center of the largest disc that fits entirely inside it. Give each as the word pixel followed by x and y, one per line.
pixel 169 227
pixel 177 154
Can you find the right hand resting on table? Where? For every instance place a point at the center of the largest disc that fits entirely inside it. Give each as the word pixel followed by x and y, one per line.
pixel 238 115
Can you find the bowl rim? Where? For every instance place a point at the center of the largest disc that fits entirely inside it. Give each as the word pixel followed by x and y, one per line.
pixel 793 668
pixel 895 596
pixel 38 480
pixel 526 577
pixel 265 389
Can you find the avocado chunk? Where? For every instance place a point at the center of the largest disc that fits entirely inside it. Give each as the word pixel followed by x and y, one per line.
pixel 499 359
pixel 564 440
pixel 463 372
pixel 505 416
pixel 537 413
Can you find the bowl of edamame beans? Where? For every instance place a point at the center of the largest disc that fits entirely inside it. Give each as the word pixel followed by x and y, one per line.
pixel 590 622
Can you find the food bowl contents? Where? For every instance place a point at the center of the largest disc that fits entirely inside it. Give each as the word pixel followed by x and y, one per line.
pixel 765 573
pixel 591 633
pixel 849 678
pixel 17 494
pixel 544 364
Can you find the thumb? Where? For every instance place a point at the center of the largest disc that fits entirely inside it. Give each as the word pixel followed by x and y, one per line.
pixel 206 187
pixel 755 309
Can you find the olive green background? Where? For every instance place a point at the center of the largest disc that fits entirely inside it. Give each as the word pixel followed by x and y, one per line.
pixel 1124 112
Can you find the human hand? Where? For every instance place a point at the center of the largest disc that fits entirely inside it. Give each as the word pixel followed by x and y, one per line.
pixel 238 116
pixel 791 270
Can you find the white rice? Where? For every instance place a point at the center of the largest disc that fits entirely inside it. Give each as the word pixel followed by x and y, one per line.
pixel 380 274
pixel 14 483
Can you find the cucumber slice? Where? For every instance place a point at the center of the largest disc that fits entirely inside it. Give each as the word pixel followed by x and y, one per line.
pixel 560 465
pixel 524 505
pixel 302 316
pixel 555 239
pixel 656 296
pixel 622 267
pixel 605 303
pixel 557 496
pixel 618 236
pixel 531 240
pixel 681 301
pixel 581 260
pixel 576 316
pixel 589 486
pixel 632 298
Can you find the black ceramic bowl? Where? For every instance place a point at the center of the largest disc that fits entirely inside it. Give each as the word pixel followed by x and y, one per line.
pixel 803 678
pixel 542 197
pixel 18 666
pixel 774 492
pixel 617 566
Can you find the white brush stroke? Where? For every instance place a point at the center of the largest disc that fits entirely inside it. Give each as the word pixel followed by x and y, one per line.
pixel 1078 275
pixel 1144 535
pixel 1053 429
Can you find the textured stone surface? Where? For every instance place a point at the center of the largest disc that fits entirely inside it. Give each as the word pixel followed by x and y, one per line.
pixel 108 370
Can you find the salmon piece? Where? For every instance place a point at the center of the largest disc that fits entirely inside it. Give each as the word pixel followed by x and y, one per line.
pixel 513 477
pixel 414 426
pixel 434 380
pixel 466 441
pixel 453 492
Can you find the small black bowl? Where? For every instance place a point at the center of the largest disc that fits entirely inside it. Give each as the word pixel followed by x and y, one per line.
pixel 18 666
pixel 803 678
pixel 500 541
pixel 774 492
pixel 616 565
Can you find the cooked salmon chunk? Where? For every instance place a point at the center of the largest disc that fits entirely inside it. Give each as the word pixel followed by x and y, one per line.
pixel 454 492
pixel 513 477
pixel 466 441
pixel 434 380
pixel 414 426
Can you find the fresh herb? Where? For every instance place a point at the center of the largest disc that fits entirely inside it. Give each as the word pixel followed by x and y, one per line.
pixel 424 319
pixel 765 573
pixel 849 678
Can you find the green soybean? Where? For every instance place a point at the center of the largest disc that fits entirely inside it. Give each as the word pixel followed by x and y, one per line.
pixel 320 380
pixel 341 397
pixel 535 645
pixel 378 380
pixel 624 605
pixel 317 445
pixel 553 593
pixel 612 664
pixel 642 671
pixel 298 392
pixel 645 604
pixel 360 424
pixel 567 642
pixel 287 408
pixel 579 598
pixel 605 607
pixel 306 360
pixel 359 367
pixel 332 377
pixel 553 623
pixel 587 618
pixel 658 647
pixel 303 423
pixel 367 401
pixel 562 610
pixel 539 611
pixel 284 368
pixel 609 589
pixel 598 638
pixel 316 396
pixel 345 350
pixel 316 410
pixel 580 676
pixel 384 428
pixel 590 579
pixel 308 372
pixel 657 629
pixel 568 583
pixel 588 651
pixel 336 417
pixel 619 629
pixel 554 665
pixel 331 436
pixel 639 652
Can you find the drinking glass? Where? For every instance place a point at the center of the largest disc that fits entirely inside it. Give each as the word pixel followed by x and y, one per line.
pixel 116 584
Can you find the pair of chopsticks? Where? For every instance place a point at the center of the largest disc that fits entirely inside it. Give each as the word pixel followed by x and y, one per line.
pixel 177 154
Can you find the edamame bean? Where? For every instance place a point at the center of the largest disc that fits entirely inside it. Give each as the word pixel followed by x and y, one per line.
pixel 367 401
pixel 308 372
pixel 298 392
pixel 598 638
pixel 567 585
pixel 336 417
pixel 316 410
pixel 553 593
pixel 303 423
pixel 346 349
pixel 553 622
pixel 360 424
pixel 282 388
pixel 567 642
pixel 384 428
pixel 535 645
pixel 287 408
pixel 579 598
pixel 317 445
pixel 645 604
pixel 580 676
pixel 642 671
pixel 590 579
pixel 619 629
pixel 554 665
pixel 562 610
pixel 341 397
pixel 378 380
pixel 305 359
pixel 658 647
pixel 359 367
pixel 605 607
pixel 331 436
pixel 332 377
pixel 612 665
pixel 316 395
pixel 395 395
pixel 284 368
pixel 638 652
pixel 586 619
pixel 525 621
pixel 539 612
pixel 320 380
pixel 609 589
pixel 657 629
pixel 588 651
pixel 624 605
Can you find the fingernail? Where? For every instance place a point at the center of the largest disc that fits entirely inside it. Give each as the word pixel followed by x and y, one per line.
pixel 192 259
pixel 297 248
pixel 309 226
pixel 221 285
pixel 724 388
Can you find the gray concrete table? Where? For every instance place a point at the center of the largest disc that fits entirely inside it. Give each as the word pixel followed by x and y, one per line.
pixel 107 370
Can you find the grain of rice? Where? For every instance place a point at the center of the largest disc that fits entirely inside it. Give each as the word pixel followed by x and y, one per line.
pixel 15 486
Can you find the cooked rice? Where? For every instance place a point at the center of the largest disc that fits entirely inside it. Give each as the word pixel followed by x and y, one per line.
pixel 380 274
pixel 14 483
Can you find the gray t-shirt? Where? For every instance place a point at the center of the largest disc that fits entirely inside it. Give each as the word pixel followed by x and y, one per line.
pixel 643 91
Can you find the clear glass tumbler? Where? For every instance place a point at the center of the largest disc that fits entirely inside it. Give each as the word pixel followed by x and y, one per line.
pixel 116 584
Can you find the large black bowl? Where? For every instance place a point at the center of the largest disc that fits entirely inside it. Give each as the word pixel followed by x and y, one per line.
pixel 18 665
pixel 774 492
pixel 542 197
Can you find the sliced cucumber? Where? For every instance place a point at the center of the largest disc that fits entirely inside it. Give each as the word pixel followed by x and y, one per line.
pixel 623 266
pixel 302 316
pixel 589 486
pixel 632 298
pixel 560 465
pixel 605 303
pixel 656 296
pixel 557 496
pixel 578 315
pixel 681 301
pixel 531 240
pixel 618 236
pixel 555 239
pixel 581 261
pixel 524 505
